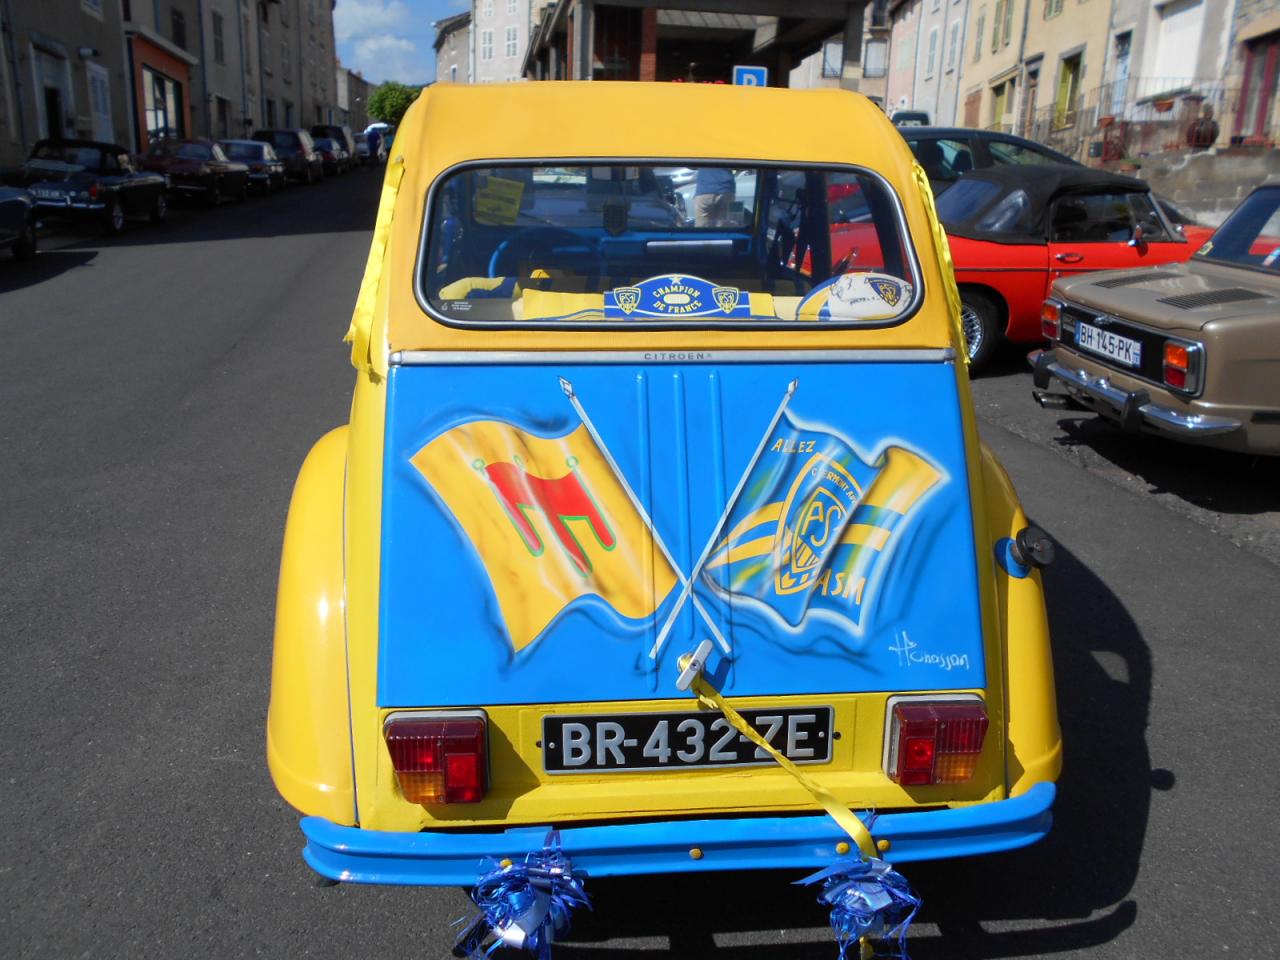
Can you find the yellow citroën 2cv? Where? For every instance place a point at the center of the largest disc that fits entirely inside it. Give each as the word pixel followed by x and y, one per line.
pixel 661 538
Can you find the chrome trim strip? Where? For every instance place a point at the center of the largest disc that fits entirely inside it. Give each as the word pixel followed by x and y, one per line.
pixel 414 358
pixel 1161 418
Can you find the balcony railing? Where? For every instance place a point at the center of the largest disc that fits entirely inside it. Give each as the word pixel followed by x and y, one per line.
pixel 1147 115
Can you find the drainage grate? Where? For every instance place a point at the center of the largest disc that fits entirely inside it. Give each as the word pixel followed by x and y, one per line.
pixel 1191 301
pixel 1126 279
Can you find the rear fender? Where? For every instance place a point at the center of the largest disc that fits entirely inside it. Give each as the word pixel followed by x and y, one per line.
pixel 309 720
pixel 1035 741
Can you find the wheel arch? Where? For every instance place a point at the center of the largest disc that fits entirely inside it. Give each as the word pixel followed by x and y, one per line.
pixel 995 296
pixel 309 718
pixel 1034 749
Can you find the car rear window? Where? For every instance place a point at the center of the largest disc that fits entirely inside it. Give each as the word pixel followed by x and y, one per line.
pixel 574 243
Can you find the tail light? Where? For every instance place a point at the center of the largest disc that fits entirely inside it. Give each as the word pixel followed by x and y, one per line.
pixel 1051 319
pixel 439 757
pixel 934 741
pixel 94 190
pixel 1182 366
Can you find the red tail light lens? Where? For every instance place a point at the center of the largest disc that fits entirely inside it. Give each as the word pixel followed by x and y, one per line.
pixel 439 758
pixel 94 190
pixel 935 741
pixel 1051 319
pixel 1182 366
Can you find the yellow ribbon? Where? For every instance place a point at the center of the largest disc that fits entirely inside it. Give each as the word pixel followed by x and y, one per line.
pixel 943 248
pixel 360 333
pixel 709 696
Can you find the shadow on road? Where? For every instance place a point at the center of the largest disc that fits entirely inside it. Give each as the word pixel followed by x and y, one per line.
pixel 15 274
pixel 1068 893
pixel 1211 479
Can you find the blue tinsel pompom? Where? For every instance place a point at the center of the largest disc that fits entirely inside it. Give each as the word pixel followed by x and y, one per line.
pixel 868 898
pixel 523 904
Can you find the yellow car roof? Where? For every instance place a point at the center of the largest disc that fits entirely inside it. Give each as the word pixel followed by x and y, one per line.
pixel 455 123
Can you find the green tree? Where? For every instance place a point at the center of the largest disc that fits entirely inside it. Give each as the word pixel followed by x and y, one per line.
pixel 389 102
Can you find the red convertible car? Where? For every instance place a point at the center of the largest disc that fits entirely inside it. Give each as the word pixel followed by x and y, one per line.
pixel 1014 230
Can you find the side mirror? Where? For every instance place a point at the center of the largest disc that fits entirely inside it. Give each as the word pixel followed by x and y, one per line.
pixel 1136 239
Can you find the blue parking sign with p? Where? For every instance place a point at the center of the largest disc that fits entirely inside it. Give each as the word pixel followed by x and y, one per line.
pixel 750 76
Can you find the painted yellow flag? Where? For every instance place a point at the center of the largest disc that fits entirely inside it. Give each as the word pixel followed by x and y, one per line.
pixel 550 522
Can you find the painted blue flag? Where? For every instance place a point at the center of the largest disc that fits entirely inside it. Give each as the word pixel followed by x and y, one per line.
pixel 813 522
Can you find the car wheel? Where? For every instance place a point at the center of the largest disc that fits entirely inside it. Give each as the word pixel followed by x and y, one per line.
pixel 311 175
pixel 980 323
pixel 115 218
pixel 25 248
pixel 159 209
pixel 215 193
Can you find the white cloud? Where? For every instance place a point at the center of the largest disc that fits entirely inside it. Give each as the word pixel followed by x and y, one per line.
pixel 353 19
pixel 388 57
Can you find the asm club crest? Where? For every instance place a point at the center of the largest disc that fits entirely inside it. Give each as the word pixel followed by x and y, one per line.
pixel 815 521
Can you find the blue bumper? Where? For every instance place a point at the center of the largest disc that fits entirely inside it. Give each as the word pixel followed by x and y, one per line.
pixel 452 858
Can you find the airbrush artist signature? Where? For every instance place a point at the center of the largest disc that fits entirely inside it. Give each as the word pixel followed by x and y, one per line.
pixel 909 653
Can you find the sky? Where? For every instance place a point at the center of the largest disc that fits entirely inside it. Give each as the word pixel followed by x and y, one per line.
pixel 391 39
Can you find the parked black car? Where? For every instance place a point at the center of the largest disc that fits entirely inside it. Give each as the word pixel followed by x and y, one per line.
pixel 297 151
pixel 948 153
pixel 342 133
pixel 89 180
pixel 266 172
pixel 17 222
pixel 199 168
pixel 336 160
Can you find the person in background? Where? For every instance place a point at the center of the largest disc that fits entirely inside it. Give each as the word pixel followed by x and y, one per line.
pixel 375 145
pixel 712 197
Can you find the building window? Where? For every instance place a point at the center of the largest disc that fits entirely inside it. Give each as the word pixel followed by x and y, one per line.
pixel 488 8
pixel 1052 8
pixel 953 46
pixel 178 23
pixel 264 14
pixel 223 117
pixel 511 6
pixel 833 58
pixel 486 44
pixel 513 40
pixel 453 73
pixel 1064 107
pixel 92 6
pixel 219 47
pixel 162 106
pixel 931 58
pixel 311 10
pixel 936 5
pixel 271 113
pixel 1261 82
pixel 982 25
pixel 875 57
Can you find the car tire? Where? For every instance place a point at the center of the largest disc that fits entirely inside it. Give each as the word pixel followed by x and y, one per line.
pixel 980 324
pixel 25 248
pixel 159 209
pixel 114 222
pixel 311 175
pixel 214 196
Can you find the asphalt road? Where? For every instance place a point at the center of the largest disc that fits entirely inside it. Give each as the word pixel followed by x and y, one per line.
pixel 159 392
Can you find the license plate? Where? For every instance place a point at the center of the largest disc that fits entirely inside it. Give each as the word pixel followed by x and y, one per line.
pixel 613 743
pixel 1120 349
pixel 48 195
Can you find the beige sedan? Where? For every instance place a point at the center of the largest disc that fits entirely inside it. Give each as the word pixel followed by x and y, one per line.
pixel 1189 350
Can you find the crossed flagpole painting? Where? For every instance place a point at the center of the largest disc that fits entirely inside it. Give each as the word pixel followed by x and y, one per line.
pixel 805 526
